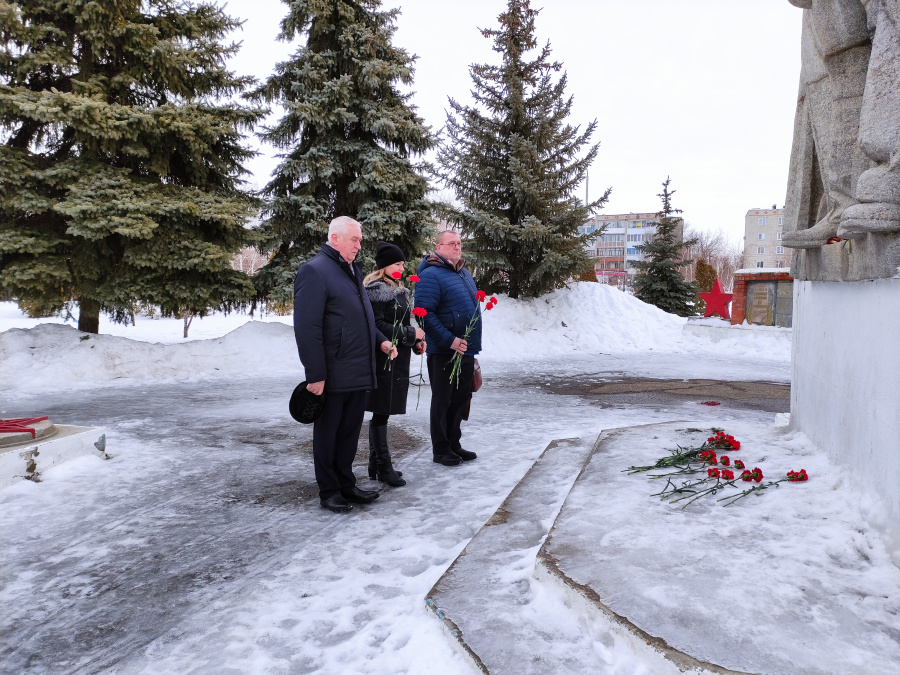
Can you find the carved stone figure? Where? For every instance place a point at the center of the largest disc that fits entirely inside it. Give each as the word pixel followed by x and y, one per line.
pixel 845 163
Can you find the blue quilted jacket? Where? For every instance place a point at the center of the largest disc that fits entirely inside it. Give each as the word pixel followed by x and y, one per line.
pixel 449 298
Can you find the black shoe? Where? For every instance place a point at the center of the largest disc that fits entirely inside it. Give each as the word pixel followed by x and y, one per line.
pixel 384 469
pixel 336 503
pixel 465 455
pixel 358 496
pixel 449 459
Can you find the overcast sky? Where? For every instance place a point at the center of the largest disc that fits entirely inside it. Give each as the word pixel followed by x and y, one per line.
pixel 703 91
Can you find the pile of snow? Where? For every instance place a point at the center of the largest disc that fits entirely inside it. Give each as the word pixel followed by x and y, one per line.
pixel 54 357
pixel 586 317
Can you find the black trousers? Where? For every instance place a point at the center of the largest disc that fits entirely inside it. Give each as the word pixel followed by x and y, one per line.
pixel 335 438
pixel 448 401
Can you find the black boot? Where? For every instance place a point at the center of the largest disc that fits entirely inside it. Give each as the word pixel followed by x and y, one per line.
pixel 384 468
pixel 372 459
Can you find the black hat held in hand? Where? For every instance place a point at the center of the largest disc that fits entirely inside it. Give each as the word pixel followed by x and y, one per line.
pixel 387 254
pixel 305 406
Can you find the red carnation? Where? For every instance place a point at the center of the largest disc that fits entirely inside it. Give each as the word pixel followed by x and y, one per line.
pixel 712 473
pixel 480 296
pixel 735 445
pixel 419 312
pixel 488 307
pixel 727 474
pixel 757 474
pixel 746 475
pixel 724 461
pixel 493 299
pixel 738 464
pixel 414 278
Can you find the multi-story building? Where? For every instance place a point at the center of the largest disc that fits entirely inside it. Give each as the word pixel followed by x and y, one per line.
pixel 616 246
pixel 762 239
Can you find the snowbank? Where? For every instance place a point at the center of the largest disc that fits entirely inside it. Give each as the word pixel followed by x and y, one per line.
pixel 54 357
pixel 585 319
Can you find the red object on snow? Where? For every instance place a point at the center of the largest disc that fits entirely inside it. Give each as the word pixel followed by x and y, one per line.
pixel 19 425
pixel 717 301
pixel 710 403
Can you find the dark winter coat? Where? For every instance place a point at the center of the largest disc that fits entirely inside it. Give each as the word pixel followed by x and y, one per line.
pixel 334 325
pixel 448 295
pixel 390 304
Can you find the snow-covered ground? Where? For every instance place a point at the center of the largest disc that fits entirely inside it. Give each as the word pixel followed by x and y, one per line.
pixel 200 547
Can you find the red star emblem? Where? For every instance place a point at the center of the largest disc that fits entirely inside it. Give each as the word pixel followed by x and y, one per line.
pixel 717 301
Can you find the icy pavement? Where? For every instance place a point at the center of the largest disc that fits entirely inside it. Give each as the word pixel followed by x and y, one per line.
pixel 200 547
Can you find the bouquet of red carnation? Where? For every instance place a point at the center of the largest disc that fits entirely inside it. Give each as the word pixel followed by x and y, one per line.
pixel 481 296
pixel 723 441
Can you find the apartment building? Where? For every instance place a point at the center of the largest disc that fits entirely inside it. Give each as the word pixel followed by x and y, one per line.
pixel 762 239
pixel 614 248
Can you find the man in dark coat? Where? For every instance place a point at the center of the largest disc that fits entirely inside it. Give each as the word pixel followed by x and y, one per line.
pixel 337 338
pixel 448 293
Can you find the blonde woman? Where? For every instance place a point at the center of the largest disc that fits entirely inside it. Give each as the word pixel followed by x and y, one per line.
pixel 390 304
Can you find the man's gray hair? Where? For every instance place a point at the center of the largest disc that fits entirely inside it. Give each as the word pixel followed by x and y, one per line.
pixel 340 224
pixel 442 235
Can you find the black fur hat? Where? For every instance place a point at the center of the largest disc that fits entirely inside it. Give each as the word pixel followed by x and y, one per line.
pixel 387 254
pixel 305 406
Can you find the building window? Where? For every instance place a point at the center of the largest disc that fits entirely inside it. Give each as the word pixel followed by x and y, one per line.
pixel 780 263
pixel 781 220
pixel 759 264
pixel 779 250
pixel 632 251
pixel 760 249
pixel 778 236
pixel 760 221
pixel 761 236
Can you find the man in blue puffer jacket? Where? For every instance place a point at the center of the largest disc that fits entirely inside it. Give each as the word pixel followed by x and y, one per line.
pixel 448 293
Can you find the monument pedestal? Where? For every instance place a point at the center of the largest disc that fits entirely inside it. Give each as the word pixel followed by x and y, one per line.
pixel 23 457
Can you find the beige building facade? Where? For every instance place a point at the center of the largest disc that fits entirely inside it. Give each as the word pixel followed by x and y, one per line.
pixel 763 247
pixel 616 244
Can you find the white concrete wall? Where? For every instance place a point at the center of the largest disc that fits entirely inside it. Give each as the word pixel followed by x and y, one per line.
pixel 845 391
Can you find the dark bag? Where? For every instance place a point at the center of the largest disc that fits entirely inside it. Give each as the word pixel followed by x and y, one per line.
pixel 476 379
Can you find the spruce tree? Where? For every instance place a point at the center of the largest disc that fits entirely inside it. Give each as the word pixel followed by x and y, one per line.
pixel 706 276
pixel 349 135
pixel 120 172
pixel 658 281
pixel 515 164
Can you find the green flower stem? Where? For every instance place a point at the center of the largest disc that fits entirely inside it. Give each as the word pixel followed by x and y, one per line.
pixel 731 499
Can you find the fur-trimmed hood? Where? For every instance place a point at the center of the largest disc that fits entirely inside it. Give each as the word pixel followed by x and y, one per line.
pixel 382 291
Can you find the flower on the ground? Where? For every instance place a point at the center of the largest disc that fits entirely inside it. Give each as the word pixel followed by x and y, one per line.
pixel 756 474
pixel 414 278
pixel 723 441
pixel 797 476
pixel 724 461
pixel 738 464
pixel 746 475
pixel 419 312
pixel 397 274
pixel 712 473
pixel 708 456
pixel 727 474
